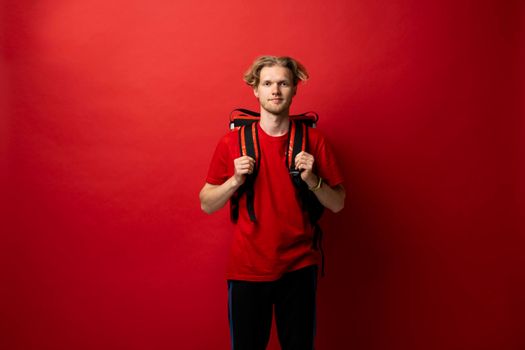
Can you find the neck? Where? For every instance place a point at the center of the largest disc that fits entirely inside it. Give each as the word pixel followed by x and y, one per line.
pixel 275 124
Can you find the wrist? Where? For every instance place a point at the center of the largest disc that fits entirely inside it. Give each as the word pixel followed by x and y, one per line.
pixel 317 184
pixel 311 180
pixel 236 182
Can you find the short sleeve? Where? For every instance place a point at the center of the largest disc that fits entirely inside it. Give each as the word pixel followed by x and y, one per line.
pixel 219 170
pixel 327 166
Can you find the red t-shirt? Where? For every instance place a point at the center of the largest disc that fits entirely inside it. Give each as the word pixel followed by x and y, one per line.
pixel 281 239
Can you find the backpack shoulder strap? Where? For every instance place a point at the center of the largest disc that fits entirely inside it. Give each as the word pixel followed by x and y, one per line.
pixel 249 146
pixel 297 143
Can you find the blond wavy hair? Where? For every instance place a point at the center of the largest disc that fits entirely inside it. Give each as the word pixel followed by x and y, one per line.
pixel 252 75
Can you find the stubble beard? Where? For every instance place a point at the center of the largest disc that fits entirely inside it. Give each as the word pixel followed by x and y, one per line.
pixel 280 110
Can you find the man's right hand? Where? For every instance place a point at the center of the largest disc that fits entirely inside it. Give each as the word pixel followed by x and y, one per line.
pixel 214 197
pixel 243 166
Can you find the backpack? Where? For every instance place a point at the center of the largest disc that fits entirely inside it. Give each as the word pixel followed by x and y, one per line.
pixel 246 122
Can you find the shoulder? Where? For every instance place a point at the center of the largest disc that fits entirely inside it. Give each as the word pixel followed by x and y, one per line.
pixel 315 133
pixel 230 138
pixel 316 138
pixel 319 144
pixel 229 144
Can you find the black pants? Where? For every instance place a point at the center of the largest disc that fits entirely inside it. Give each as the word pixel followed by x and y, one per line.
pixel 251 307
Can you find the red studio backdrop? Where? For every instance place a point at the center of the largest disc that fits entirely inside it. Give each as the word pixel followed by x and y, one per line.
pixel 110 112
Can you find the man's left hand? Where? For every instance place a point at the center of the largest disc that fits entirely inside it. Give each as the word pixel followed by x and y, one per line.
pixel 304 162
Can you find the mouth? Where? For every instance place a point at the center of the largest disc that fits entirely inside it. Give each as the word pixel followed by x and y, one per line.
pixel 276 100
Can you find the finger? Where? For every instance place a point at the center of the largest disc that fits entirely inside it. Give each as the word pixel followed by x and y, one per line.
pixel 303 154
pixel 246 161
pixel 247 168
pixel 242 164
pixel 305 158
pixel 302 161
pixel 245 158
pixel 245 171
pixel 307 165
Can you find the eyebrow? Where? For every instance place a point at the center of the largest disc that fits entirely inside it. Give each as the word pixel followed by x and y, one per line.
pixel 279 81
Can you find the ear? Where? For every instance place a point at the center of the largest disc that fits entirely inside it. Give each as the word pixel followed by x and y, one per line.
pixel 256 91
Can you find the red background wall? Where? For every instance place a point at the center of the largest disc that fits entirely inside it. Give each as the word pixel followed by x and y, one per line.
pixel 111 111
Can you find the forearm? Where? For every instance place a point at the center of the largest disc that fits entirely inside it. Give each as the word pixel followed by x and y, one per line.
pixel 214 197
pixel 332 198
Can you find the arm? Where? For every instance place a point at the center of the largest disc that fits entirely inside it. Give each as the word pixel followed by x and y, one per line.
pixel 214 197
pixel 332 198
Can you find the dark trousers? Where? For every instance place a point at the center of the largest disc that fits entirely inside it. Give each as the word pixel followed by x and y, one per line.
pixel 251 306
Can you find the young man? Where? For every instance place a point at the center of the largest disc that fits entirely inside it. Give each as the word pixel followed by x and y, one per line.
pixel 273 263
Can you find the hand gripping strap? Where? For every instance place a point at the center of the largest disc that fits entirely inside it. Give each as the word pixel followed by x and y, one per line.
pixel 249 146
pixel 297 142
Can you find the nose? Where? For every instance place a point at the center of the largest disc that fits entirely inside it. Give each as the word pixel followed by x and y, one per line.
pixel 276 89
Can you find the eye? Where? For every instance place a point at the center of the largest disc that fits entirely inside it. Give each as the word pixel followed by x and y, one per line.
pixel 267 83
pixel 284 83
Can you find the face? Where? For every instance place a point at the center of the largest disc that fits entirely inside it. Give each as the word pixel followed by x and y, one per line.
pixel 275 90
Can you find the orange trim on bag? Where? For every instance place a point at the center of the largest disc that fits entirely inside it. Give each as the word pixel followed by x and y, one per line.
pixel 254 138
pixel 243 141
pixel 290 146
pixel 303 146
pixel 243 117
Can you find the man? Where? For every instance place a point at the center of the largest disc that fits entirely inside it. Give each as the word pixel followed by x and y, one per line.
pixel 272 262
